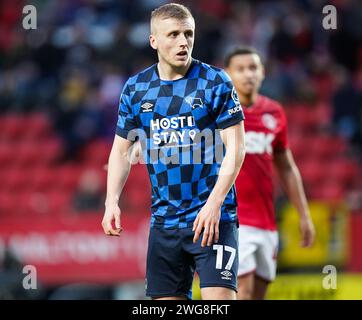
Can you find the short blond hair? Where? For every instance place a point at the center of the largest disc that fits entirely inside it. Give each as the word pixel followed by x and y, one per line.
pixel 170 10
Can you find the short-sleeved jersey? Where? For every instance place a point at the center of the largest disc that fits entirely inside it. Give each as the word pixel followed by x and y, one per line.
pixel 178 123
pixel 265 134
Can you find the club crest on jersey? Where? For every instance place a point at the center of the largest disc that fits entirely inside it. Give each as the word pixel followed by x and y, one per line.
pixel 269 121
pixel 235 97
pixel 194 102
pixel 147 107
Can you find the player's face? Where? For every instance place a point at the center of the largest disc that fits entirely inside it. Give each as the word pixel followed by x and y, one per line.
pixel 247 72
pixel 174 40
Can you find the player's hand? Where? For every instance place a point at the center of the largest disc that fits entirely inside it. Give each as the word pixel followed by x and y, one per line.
pixel 208 220
pixel 112 213
pixel 307 232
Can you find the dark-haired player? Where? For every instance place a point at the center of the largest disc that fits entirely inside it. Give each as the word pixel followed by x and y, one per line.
pixel 266 146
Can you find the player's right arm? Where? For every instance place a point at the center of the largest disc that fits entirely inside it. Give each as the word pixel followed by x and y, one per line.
pixel 118 170
pixel 119 164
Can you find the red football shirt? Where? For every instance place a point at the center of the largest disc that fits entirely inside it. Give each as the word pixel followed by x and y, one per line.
pixel 265 133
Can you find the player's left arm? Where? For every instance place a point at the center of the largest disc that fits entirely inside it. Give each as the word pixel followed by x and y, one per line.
pixel 292 184
pixel 209 216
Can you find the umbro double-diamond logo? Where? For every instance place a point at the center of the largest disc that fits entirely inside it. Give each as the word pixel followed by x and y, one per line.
pixel 147 107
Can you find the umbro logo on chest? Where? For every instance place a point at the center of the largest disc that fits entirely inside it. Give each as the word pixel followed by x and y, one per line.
pixel 147 107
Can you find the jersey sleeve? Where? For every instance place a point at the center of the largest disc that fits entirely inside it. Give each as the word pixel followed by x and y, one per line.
pixel 281 139
pixel 126 119
pixel 226 105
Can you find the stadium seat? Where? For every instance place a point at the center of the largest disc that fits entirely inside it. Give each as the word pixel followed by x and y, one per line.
pixel 17 180
pixel 44 179
pixel 302 117
pixel 7 154
pixel 27 155
pixel 327 147
pixel 38 126
pixel 7 203
pixel 344 172
pixel 66 177
pixel 32 204
pixel 13 126
pixel 51 151
pixel 96 153
pixel 59 203
pixel 331 192
pixel 312 171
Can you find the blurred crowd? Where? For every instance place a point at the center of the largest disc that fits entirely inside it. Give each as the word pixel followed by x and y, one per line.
pixel 74 64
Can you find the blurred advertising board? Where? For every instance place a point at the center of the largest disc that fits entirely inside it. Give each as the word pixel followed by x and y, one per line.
pixel 307 287
pixel 331 243
pixel 75 249
pixel 311 287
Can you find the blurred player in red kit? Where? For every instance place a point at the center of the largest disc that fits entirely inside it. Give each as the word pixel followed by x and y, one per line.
pixel 266 146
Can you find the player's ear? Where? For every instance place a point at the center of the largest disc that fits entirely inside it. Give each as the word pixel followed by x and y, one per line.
pixel 153 42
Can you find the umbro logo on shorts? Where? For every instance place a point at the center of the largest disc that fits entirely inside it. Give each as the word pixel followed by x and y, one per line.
pixel 226 275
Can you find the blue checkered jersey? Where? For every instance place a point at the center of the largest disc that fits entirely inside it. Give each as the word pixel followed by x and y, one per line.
pixel 178 123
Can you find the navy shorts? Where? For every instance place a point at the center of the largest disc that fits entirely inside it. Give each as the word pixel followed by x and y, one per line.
pixel 172 259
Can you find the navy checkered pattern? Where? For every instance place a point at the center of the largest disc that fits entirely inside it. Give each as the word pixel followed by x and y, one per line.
pixel 177 123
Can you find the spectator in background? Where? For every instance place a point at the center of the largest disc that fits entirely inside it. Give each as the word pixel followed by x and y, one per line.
pixel 11 279
pixel 89 196
pixel 347 102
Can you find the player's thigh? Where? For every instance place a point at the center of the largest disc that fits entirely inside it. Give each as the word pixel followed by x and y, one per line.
pixel 266 256
pixel 169 271
pixel 218 293
pixel 217 265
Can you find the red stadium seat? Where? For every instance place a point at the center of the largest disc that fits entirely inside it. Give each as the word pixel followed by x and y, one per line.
pixel 30 153
pixel 97 153
pixel 44 179
pixel 17 180
pixel 7 154
pixel 50 151
pixel 331 192
pixel 42 203
pixel 343 172
pixel 312 171
pixel 139 175
pixel 13 126
pixel 33 204
pixel 327 147
pixel 302 117
pixel 67 177
pixel 7 204
pixel 38 126
pixel 59 203
pixel 27 155
pixel 137 191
